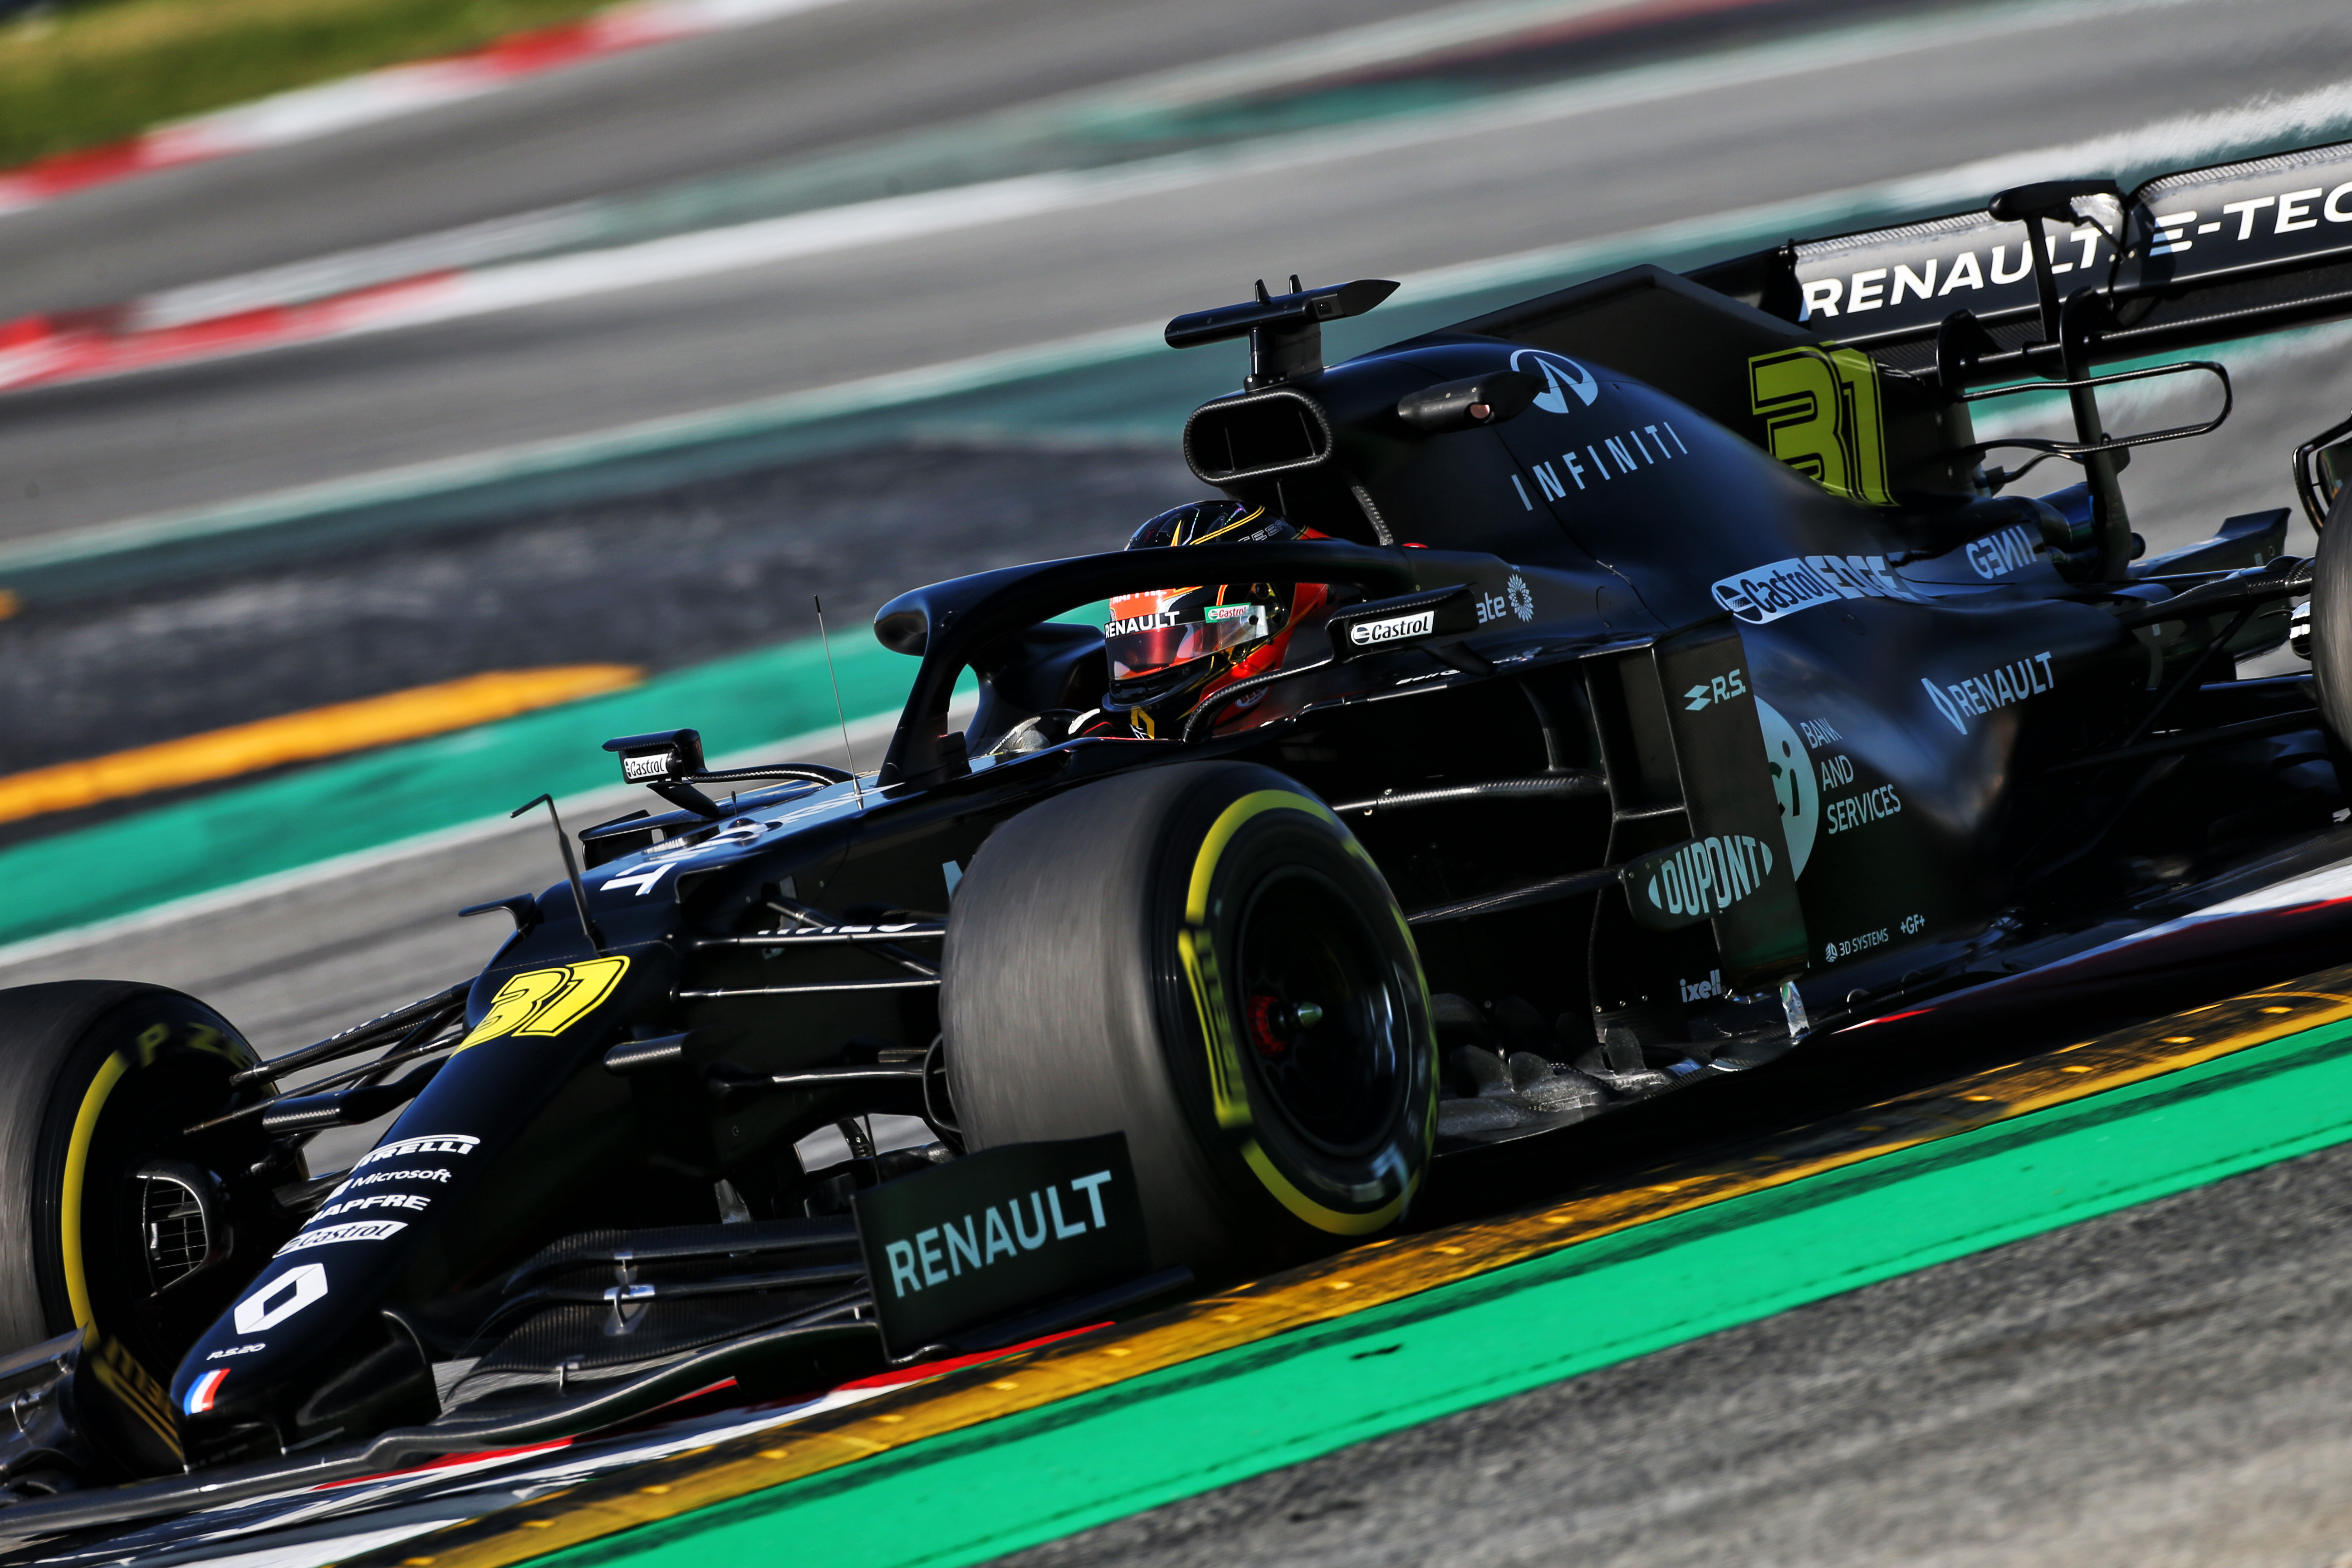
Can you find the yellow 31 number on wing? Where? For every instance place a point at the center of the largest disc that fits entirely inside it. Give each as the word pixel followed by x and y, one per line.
pixel 547 1001
pixel 1822 409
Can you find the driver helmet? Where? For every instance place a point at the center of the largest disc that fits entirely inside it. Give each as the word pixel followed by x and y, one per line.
pixel 1171 647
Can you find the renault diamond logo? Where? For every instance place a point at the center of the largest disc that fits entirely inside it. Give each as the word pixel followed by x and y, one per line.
pixel 281 1298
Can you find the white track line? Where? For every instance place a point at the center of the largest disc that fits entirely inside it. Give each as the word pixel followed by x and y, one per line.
pixel 321 110
pixel 2184 140
pixel 1435 34
pixel 898 220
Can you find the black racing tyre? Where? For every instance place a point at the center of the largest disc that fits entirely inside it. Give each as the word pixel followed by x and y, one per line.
pixel 2331 620
pixel 112 1220
pixel 1134 956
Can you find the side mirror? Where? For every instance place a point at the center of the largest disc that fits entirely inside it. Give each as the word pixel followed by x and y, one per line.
pixel 2322 465
pixel 1468 403
pixel 2335 466
pixel 663 762
pixel 669 755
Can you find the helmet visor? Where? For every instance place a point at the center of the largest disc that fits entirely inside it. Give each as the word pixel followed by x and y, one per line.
pixel 1152 631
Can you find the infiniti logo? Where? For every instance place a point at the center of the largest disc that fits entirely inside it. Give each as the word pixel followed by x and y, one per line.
pixel 1561 376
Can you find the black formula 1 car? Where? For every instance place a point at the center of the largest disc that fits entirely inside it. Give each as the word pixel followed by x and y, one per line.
pixel 1595 695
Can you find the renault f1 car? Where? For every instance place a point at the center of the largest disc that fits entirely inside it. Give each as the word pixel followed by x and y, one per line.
pixel 1639 679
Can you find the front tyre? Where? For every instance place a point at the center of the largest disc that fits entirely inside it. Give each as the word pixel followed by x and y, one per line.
pixel 113 1222
pixel 1202 957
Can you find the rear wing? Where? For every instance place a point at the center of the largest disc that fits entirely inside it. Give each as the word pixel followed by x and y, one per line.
pixel 1853 358
pixel 2187 259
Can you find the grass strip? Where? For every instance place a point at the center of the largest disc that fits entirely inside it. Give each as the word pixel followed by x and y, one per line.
pixel 102 71
pixel 1061 1468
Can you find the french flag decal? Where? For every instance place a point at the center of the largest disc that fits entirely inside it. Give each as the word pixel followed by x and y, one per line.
pixel 200 1397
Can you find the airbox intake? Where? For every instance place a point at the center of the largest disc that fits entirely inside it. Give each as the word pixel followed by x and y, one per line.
pixel 1256 434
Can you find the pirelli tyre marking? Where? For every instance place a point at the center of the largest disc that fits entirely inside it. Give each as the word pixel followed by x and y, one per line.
pixel 123 1376
pixel 1229 1092
pixel 547 1001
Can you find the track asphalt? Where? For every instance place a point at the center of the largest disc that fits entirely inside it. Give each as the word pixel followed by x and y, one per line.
pixel 2030 82
pixel 788 88
pixel 1501 67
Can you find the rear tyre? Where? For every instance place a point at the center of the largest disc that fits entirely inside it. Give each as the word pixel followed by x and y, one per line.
pixel 112 1220
pixel 2331 620
pixel 1202 957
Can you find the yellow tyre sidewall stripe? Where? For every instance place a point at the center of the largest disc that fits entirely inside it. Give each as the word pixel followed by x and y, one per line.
pixel 1196 948
pixel 93 1102
pixel 111 1361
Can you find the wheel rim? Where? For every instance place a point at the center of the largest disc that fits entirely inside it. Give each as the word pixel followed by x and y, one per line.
pixel 1323 1019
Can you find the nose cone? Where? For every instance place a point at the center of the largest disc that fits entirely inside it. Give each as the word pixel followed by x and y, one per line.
pixel 301 1360
pixel 306 1352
